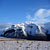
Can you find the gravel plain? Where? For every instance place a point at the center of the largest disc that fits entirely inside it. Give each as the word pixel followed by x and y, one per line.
pixel 18 44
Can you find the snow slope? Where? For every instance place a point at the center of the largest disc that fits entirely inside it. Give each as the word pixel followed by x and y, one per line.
pixel 46 26
pixel 4 27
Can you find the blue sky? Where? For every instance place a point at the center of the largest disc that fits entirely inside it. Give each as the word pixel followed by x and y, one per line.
pixel 16 11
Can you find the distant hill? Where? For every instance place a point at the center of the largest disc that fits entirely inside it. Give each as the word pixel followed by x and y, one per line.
pixel 3 27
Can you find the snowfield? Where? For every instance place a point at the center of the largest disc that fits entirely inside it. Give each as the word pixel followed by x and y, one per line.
pixel 12 44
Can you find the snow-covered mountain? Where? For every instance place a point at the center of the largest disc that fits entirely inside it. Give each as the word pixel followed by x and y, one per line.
pixel 26 29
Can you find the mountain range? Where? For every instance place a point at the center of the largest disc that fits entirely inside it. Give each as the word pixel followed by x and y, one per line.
pixel 28 28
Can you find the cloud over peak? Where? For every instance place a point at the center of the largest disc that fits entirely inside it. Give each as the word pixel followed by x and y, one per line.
pixel 40 16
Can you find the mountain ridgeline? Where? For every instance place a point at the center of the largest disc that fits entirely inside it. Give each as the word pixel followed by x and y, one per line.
pixel 27 30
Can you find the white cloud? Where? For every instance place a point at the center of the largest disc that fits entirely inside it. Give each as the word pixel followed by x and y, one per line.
pixel 28 16
pixel 40 16
pixel 42 13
